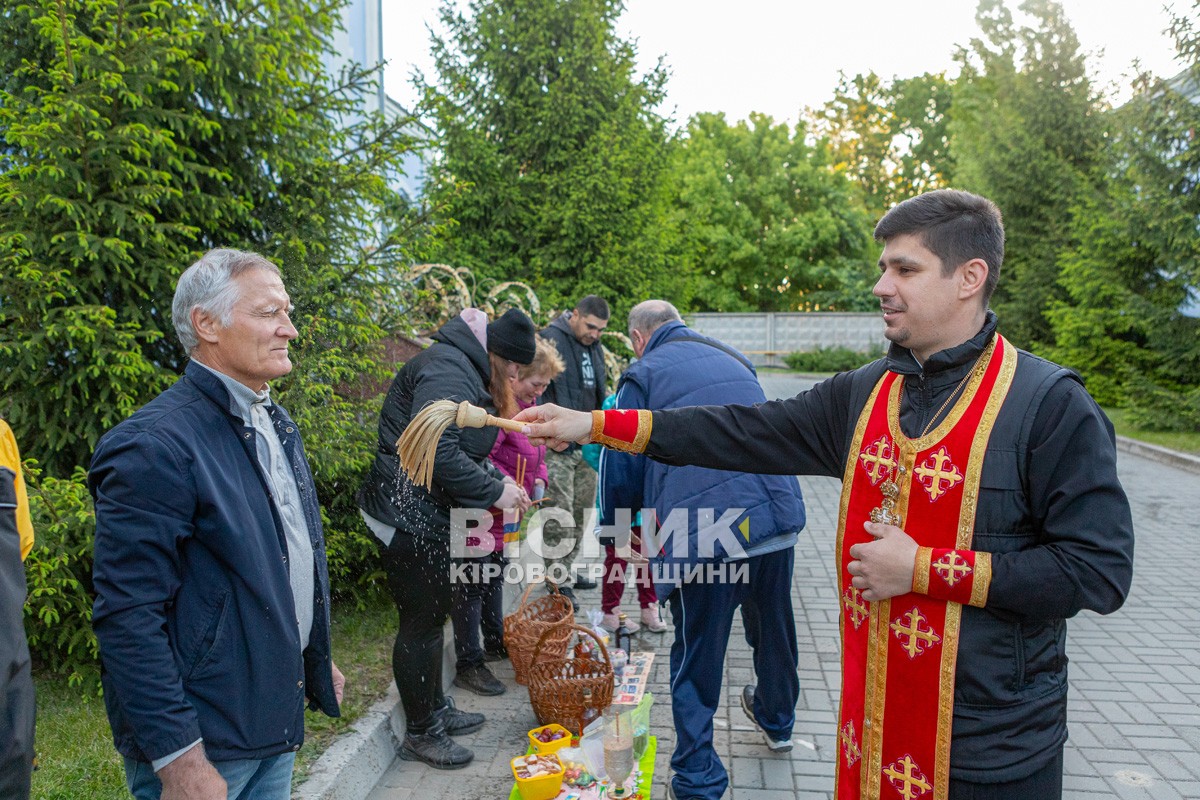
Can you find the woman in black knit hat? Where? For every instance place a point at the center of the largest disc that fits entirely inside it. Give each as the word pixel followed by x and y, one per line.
pixel 471 360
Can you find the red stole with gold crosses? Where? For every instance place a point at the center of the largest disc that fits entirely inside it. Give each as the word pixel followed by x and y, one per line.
pixel 898 655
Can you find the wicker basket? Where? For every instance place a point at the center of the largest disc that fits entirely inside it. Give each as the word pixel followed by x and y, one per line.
pixel 556 687
pixel 552 616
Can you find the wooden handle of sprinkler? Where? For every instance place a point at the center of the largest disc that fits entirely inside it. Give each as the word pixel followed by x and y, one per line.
pixel 470 416
pixel 507 424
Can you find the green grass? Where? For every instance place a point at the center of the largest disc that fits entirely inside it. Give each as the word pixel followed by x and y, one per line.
pixel 1185 442
pixel 75 752
pixel 76 758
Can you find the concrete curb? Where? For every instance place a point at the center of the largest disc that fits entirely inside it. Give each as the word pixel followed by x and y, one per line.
pixel 357 759
pixel 354 763
pixel 1163 455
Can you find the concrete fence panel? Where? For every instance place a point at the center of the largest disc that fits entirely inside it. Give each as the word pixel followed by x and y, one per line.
pixel 766 337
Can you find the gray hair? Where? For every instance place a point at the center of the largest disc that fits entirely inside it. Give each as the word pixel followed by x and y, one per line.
pixel 208 285
pixel 650 315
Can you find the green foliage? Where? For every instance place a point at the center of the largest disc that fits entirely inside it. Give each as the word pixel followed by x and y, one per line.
pixel 1136 264
pixel 137 135
pixel 553 158
pixel 892 139
pixel 1154 407
pixel 58 573
pixel 765 220
pixel 133 137
pixel 1026 132
pixel 830 359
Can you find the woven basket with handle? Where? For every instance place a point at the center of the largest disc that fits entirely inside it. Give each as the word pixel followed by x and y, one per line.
pixel 556 687
pixel 550 616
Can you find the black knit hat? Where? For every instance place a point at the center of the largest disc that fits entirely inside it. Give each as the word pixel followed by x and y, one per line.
pixel 512 337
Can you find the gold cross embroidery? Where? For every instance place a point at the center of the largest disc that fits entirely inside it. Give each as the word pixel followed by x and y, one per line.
pixel 952 567
pixel 855 605
pixel 914 638
pixel 849 744
pixel 934 475
pixel 909 781
pixel 877 459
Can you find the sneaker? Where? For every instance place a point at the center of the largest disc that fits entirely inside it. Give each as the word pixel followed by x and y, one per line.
pixel 584 583
pixel 570 595
pixel 652 620
pixel 458 722
pixel 495 653
pixel 776 745
pixel 480 680
pixel 435 748
pixel 610 623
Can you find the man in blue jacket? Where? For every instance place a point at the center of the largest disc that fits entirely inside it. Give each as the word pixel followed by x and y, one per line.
pixel 212 591
pixel 725 539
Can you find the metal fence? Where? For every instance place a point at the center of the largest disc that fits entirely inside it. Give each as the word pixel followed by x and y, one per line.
pixel 766 337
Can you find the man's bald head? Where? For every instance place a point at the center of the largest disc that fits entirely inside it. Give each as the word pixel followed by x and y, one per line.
pixel 647 317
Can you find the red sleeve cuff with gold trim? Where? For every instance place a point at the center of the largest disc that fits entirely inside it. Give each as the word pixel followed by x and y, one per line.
pixel 960 576
pixel 622 429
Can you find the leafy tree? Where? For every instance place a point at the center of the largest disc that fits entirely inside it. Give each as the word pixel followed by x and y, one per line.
pixel 1026 131
pixel 1135 272
pixel 553 157
pixel 766 221
pixel 893 139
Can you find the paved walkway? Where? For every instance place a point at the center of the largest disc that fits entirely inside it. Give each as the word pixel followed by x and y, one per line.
pixel 1135 681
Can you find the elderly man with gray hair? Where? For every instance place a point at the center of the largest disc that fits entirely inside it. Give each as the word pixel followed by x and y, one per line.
pixel 212 590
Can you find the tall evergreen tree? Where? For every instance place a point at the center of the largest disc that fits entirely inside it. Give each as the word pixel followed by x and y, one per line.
pixel 1027 132
pixel 552 154
pixel 1129 322
pixel 139 134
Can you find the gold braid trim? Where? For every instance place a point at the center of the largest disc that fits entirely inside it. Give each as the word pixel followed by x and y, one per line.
pixel 983 579
pixel 920 582
pixel 597 426
pixel 645 423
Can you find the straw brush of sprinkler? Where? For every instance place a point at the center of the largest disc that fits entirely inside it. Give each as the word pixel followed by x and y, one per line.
pixel 417 446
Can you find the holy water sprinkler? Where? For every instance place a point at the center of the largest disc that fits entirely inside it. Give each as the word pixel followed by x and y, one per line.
pixel 417 446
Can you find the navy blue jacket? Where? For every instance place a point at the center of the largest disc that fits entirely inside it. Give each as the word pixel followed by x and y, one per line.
pixel 194 609
pixel 673 373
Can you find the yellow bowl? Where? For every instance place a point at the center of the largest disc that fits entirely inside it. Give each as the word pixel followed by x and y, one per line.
pixel 543 748
pixel 543 787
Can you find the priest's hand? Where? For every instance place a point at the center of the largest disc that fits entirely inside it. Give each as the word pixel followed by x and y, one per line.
pixel 555 426
pixel 883 568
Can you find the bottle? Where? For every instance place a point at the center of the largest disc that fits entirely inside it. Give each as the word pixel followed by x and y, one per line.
pixel 623 639
pixel 589 713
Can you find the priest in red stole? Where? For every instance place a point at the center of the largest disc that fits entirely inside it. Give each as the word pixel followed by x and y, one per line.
pixel 980 510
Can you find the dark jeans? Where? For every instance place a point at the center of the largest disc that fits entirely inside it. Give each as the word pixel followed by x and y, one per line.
pixel 418 575
pixel 1045 784
pixel 478 603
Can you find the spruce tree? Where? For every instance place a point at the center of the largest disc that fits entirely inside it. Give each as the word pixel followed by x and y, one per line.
pixel 136 135
pixel 553 155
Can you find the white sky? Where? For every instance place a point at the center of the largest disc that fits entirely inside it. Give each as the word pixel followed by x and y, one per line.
pixel 779 56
